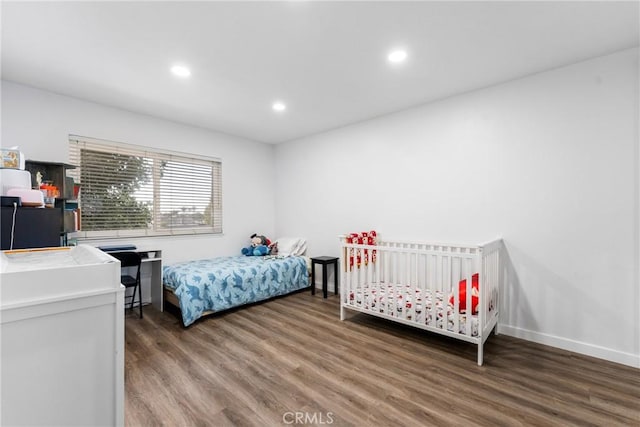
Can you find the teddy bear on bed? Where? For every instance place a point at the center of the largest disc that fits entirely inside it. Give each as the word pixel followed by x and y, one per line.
pixel 259 246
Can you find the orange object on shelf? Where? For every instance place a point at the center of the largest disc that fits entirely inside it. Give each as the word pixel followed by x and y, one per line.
pixel 50 190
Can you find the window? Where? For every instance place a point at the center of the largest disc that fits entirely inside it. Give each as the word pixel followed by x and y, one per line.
pixel 128 190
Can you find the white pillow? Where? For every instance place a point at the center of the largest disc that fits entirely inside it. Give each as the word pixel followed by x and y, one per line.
pixel 301 249
pixel 291 246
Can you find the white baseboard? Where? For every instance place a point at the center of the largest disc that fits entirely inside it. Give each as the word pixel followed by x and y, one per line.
pixel 628 359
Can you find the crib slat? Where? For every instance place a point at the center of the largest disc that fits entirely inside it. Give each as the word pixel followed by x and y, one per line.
pixel 444 269
pixel 370 276
pixel 401 293
pixel 456 292
pixel 489 283
pixel 483 284
pixel 354 278
pixel 349 277
pixel 434 282
pixel 362 278
pixel 364 269
pixel 396 283
pixel 423 288
pixel 431 266
pixel 375 269
pixel 408 297
pixel 418 288
pixel 395 268
pixel 469 286
pixel 367 265
pixel 387 280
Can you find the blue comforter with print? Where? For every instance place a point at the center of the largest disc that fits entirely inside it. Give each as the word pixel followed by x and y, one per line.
pixel 220 283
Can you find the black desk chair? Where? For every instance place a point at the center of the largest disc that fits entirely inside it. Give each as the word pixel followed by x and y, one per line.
pixel 131 259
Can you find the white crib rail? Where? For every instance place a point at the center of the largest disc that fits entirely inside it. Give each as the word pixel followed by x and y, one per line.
pixel 404 270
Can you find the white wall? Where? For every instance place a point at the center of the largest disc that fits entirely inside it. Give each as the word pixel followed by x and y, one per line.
pixel 40 122
pixel 549 162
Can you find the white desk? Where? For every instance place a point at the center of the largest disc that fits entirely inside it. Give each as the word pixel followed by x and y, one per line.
pixel 154 259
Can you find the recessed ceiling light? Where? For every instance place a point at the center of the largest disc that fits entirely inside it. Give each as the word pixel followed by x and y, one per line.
pixel 279 106
pixel 397 56
pixel 180 71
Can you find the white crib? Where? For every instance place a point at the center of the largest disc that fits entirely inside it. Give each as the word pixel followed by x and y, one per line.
pixel 413 283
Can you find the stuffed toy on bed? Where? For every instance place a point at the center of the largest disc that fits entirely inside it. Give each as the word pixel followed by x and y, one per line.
pixel 259 246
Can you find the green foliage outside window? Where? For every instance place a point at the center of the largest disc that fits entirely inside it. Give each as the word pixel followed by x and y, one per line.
pixel 111 190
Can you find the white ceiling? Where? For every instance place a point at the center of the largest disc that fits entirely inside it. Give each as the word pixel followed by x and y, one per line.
pixel 325 60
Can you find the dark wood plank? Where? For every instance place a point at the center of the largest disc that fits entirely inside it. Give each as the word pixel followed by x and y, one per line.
pixel 251 366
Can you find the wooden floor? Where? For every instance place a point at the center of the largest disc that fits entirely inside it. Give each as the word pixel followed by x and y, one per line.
pixel 290 361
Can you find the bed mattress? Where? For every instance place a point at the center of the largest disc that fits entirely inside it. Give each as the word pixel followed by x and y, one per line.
pixel 409 302
pixel 221 283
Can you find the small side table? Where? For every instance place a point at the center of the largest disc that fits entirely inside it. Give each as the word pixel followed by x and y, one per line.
pixel 324 261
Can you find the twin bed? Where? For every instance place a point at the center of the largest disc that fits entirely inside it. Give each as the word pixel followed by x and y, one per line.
pixel 212 285
pixel 205 286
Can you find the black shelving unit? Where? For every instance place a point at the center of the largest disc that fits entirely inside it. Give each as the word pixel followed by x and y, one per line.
pixel 32 227
pixel 66 203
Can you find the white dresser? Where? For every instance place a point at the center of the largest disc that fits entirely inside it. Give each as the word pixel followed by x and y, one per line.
pixel 61 338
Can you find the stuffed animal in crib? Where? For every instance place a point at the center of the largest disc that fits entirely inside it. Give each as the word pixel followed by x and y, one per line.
pixel 462 292
pixel 259 246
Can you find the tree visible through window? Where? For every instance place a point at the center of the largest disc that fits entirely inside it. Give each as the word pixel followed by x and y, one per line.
pixel 109 184
pixel 131 190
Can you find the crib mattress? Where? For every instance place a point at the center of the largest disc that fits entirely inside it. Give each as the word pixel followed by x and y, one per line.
pixel 396 300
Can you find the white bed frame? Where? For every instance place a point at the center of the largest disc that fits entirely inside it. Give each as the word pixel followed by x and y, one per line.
pixel 430 267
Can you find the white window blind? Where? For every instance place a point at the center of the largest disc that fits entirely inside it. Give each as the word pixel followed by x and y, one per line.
pixel 128 190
